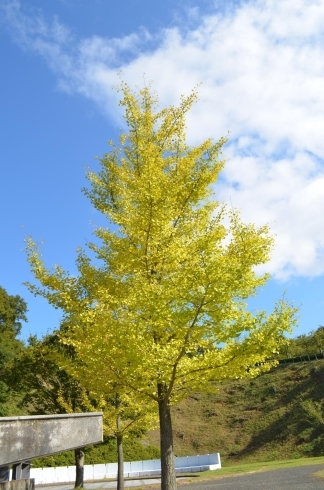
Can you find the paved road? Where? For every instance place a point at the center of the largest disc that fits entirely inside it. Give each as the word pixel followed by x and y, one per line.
pixel 284 479
pixel 102 484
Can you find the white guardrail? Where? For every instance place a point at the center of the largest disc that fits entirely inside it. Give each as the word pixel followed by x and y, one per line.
pixel 152 467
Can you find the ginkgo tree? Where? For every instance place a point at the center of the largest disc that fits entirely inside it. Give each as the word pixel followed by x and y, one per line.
pixel 126 414
pixel 162 309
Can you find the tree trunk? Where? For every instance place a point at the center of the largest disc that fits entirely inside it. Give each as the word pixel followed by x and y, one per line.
pixel 120 474
pixel 79 467
pixel 168 480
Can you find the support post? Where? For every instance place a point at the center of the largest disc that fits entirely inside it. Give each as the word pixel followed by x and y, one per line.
pixel 4 473
pixel 21 471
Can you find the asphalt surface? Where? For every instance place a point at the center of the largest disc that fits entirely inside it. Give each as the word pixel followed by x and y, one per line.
pixel 283 479
pixel 101 484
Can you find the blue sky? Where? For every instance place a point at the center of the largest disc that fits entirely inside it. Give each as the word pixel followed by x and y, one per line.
pixel 261 65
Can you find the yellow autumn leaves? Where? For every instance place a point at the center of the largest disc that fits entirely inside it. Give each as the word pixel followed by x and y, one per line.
pixel 165 306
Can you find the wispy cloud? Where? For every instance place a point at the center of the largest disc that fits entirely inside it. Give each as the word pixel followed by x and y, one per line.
pixel 262 67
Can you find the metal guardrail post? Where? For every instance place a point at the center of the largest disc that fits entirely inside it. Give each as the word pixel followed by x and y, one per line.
pixel 4 473
pixel 21 471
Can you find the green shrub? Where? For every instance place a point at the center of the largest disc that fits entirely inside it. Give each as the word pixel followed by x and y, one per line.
pixel 105 452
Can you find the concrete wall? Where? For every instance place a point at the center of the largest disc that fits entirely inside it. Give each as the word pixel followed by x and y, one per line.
pixel 25 438
pixel 65 474
pixel 18 485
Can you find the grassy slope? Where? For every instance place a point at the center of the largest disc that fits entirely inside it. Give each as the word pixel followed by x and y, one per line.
pixel 275 416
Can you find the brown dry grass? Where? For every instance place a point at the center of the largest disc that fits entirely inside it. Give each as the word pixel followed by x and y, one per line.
pixel 273 417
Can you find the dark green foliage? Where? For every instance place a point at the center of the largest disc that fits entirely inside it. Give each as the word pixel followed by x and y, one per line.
pixel 45 387
pixel 304 345
pixel 103 453
pixel 4 397
pixel 12 310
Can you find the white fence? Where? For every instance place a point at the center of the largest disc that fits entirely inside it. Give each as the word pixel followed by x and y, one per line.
pixel 152 467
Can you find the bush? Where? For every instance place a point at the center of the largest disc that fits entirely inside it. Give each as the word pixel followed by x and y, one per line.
pixel 105 452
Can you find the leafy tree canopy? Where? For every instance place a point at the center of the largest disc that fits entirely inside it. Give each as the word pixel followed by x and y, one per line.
pixel 12 311
pixel 165 313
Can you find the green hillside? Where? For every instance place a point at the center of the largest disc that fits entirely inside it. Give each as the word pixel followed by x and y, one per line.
pixel 277 415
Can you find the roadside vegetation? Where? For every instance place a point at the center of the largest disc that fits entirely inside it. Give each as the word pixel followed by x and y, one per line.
pixel 275 416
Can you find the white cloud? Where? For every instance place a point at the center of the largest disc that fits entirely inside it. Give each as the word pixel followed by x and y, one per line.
pixel 262 68
pixel 287 193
